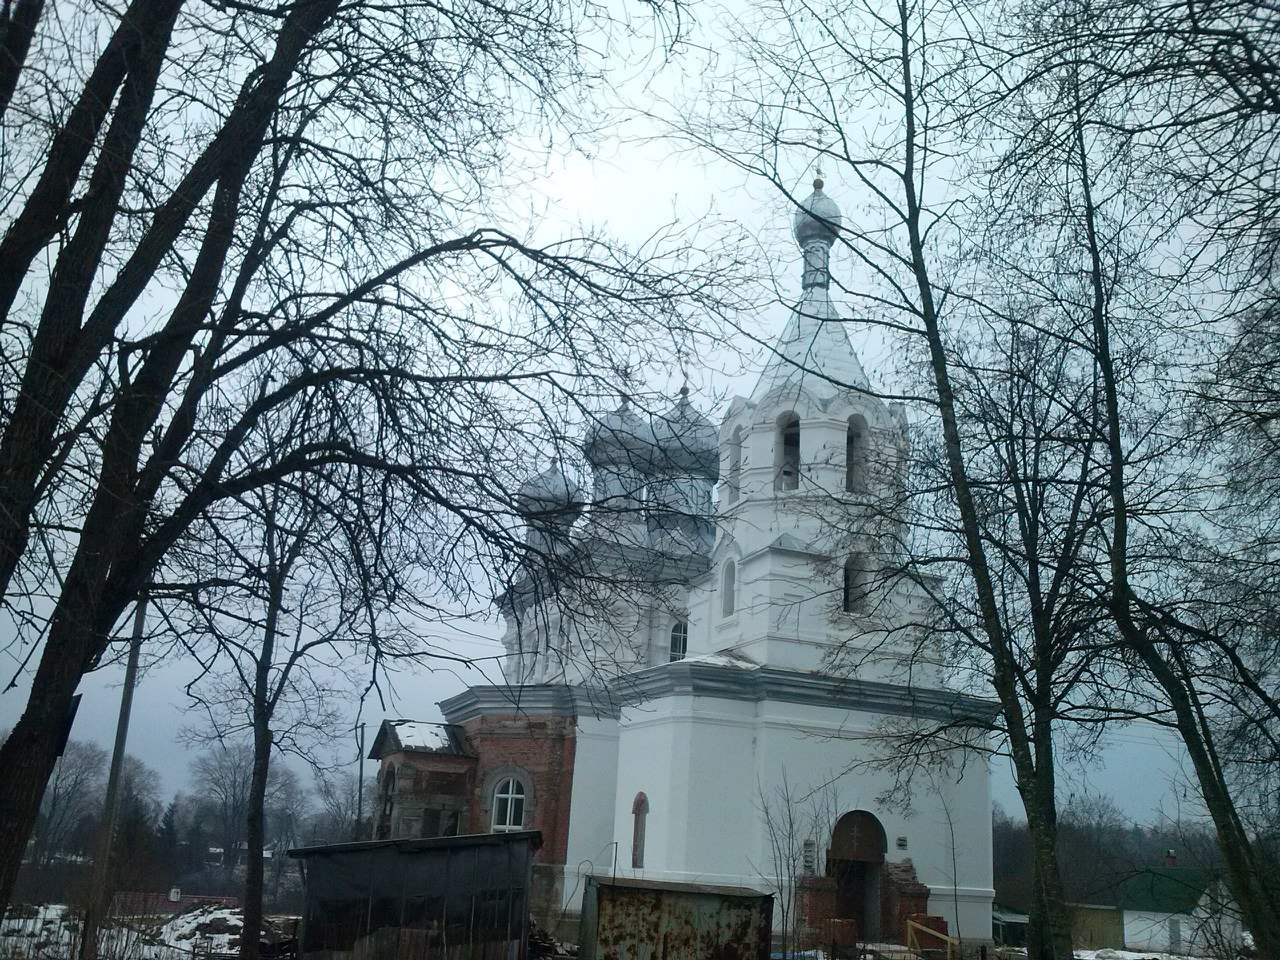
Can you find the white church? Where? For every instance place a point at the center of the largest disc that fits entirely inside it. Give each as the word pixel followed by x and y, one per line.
pixel 705 705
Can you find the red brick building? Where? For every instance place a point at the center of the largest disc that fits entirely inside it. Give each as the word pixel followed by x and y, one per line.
pixel 496 767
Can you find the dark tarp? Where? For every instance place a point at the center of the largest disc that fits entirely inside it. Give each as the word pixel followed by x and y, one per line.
pixel 447 898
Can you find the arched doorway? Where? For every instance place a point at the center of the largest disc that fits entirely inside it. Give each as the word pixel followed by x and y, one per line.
pixel 856 862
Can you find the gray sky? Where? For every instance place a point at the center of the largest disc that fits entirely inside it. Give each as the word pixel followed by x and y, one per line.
pixel 631 187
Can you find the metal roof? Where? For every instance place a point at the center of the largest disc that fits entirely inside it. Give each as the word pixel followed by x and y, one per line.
pixel 413 844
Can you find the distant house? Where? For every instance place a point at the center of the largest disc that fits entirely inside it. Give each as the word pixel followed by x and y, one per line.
pixel 1096 926
pixel 1008 927
pixel 1179 910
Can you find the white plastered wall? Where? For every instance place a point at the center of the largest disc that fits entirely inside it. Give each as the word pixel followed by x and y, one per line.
pixel 705 762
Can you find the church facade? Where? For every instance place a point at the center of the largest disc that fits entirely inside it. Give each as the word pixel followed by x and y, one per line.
pixel 709 702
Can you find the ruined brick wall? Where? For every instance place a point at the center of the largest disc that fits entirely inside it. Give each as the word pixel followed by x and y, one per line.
pixel 815 909
pixel 430 791
pixel 903 897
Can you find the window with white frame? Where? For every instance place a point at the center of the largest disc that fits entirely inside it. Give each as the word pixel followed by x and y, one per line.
pixel 508 806
pixel 729 589
pixel 679 639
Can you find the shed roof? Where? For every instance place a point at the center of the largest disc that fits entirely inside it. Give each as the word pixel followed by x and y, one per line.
pixel 716 889
pixel 1166 889
pixel 414 844
pixel 419 736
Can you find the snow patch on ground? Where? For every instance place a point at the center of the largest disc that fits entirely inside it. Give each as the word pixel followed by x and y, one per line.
pixel 52 932
pixel 207 929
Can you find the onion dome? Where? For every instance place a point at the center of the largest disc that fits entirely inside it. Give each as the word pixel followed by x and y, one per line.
pixel 686 442
pixel 620 438
pixel 817 219
pixel 551 494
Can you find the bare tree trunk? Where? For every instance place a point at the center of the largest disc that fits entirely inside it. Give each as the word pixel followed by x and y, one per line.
pixel 255 820
pixel 16 30
pixel 1257 898
pixel 112 532
pixel 1032 766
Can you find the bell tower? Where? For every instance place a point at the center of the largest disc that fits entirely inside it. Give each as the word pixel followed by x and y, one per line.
pixel 809 465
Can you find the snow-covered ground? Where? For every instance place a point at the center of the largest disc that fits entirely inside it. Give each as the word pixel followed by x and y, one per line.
pixel 52 932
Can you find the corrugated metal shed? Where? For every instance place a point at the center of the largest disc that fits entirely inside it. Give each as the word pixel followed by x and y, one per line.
pixel 445 898
pixel 624 919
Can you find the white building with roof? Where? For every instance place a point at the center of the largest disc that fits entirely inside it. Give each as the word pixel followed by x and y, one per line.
pixel 723 658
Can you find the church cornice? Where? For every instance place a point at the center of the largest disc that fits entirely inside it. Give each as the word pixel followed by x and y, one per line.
pixel 531 700
pixel 724 679
pixel 760 683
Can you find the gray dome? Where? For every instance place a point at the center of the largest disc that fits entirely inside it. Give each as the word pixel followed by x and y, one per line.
pixel 817 219
pixel 552 492
pixel 620 438
pixel 687 442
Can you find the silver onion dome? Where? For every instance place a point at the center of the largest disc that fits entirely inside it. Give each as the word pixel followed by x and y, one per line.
pixel 686 442
pixel 620 438
pixel 551 494
pixel 818 218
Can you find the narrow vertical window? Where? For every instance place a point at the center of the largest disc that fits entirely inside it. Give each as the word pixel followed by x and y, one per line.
pixel 679 639
pixel 639 814
pixel 787 474
pixel 855 456
pixel 729 589
pixel 508 806
pixel 733 482
pixel 853 586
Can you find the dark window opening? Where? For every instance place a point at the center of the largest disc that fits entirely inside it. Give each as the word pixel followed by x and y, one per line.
pixel 788 466
pixel 855 456
pixel 639 814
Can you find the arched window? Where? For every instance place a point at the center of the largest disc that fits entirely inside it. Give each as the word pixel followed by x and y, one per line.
pixel 679 639
pixel 853 594
pixel 787 472
pixel 729 589
pixel 733 482
pixel 389 789
pixel 639 814
pixel 855 455
pixel 508 806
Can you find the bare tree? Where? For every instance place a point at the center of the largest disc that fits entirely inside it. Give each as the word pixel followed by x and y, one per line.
pixel 299 594
pixel 798 824
pixel 998 512
pixel 222 774
pixel 308 189
pixel 74 794
pixel 1191 649
pixel 339 814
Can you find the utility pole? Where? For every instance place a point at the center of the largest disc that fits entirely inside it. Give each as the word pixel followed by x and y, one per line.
pixel 359 782
pixel 98 899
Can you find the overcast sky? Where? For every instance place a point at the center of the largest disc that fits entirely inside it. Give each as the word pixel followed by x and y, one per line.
pixel 631 187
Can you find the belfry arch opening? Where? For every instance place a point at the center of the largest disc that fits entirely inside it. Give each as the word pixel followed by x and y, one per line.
pixel 787 453
pixel 855 861
pixel 855 455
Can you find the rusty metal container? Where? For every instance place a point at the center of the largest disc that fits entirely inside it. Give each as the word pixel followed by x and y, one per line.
pixel 625 919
